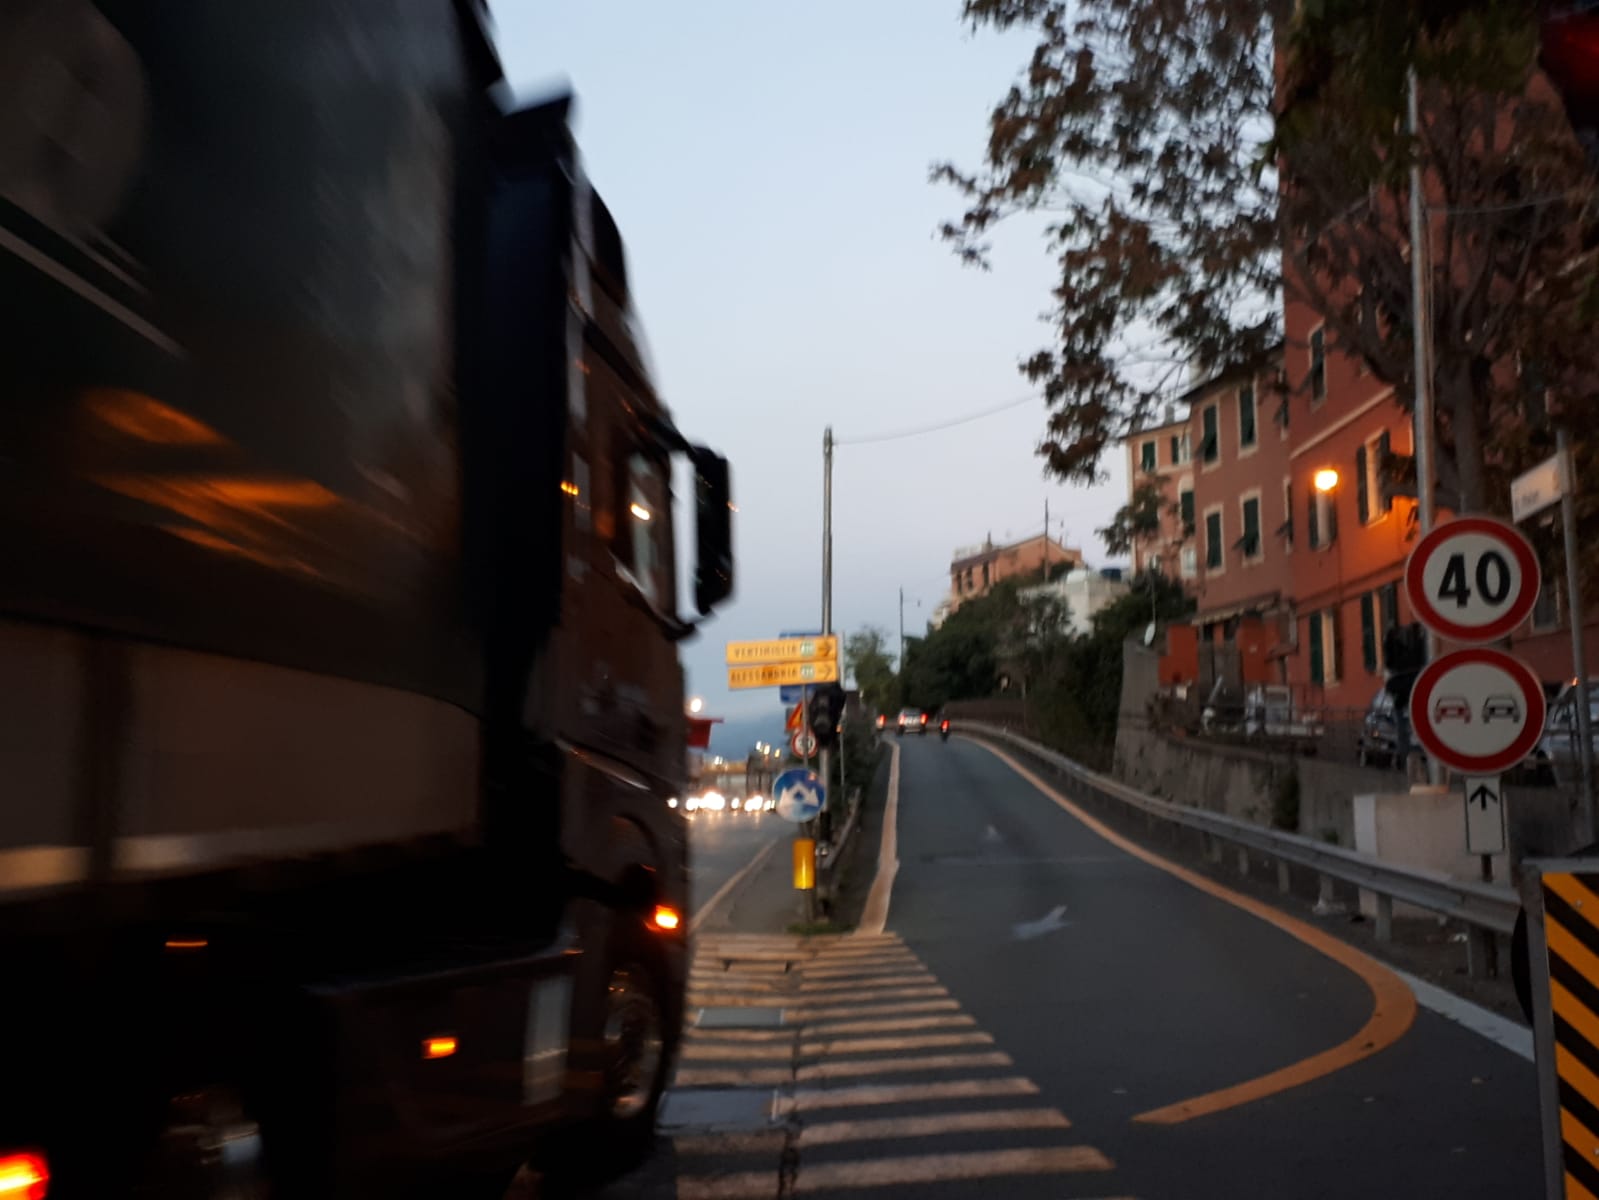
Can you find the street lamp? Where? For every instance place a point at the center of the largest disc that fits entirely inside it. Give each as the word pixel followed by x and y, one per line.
pixel 1325 479
pixel 695 705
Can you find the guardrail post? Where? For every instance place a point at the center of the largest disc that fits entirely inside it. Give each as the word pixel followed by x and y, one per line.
pixel 1284 882
pixel 1385 918
pixel 1243 862
pixel 1482 953
pixel 1213 848
pixel 1324 893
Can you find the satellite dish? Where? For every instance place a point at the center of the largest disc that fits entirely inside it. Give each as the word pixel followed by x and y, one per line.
pixel 1149 635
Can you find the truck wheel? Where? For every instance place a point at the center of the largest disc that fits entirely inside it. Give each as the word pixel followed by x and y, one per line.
pixel 636 1046
pixel 209 1149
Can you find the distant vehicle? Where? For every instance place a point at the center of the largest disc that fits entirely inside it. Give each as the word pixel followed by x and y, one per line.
pixel 1378 744
pixel 943 729
pixel 912 719
pixel 882 721
pixel 1451 708
pixel 1501 708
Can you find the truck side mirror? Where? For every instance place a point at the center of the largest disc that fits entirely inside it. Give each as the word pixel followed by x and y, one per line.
pixel 713 529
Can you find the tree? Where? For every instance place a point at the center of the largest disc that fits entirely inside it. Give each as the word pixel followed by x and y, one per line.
pixel 868 662
pixel 1149 130
pixel 1137 521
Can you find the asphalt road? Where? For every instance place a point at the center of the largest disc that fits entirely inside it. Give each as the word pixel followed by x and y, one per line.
pixel 720 845
pixel 1048 1014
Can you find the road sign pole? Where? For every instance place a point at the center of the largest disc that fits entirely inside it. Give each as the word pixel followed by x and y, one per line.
pixel 1579 658
pixel 827 566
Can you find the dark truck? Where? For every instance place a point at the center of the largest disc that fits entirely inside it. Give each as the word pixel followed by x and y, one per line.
pixel 339 698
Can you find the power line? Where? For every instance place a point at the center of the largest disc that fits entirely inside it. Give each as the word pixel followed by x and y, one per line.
pixel 937 427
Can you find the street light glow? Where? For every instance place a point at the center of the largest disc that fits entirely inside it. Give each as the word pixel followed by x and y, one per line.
pixel 639 511
pixel 1326 479
pixel 695 705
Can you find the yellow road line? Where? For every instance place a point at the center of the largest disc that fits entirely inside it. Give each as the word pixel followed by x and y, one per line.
pixel 851 1012
pixel 882 1045
pixel 857 1069
pixel 870 1095
pixel 942 1021
pixel 1393 1004
pixel 831 1133
pixel 892 1172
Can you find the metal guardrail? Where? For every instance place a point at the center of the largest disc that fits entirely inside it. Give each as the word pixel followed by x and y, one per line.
pixel 1481 906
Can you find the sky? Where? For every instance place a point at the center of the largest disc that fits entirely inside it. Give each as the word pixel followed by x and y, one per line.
pixel 768 167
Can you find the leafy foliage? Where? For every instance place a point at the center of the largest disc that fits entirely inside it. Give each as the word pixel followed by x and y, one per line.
pixel 869 663
pixel 1137 521
pixel 1184 204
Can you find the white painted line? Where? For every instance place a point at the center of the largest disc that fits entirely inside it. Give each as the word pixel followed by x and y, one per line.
pixel 1500 1030
pixel 854 1012
pixel 919 979
pixel 874 966
pixel 726 889
pixel 875 917
pixel 705 1145
pixel 884 1045
pixel 864 1068
pixel 831 1133
pixel 871 1095
pixel 695 1033
pixel 732 1077
pixel 697 1051
pixel 896 1025
pixel 893 1172
pixel 908 993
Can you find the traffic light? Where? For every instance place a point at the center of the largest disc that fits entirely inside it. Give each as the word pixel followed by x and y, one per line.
pixel 827 713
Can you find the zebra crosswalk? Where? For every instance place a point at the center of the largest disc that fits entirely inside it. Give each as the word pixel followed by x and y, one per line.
pixel 840 1066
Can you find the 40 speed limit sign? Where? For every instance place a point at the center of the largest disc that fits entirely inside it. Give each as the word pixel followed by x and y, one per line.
pixel 1473 579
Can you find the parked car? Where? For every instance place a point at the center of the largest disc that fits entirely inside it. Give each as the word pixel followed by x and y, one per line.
pixel 912 720
pixel 1379 739
pixel 1558 748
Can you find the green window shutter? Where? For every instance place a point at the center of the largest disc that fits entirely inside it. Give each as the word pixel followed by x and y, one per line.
pixel 1213 547
pixel 1317 669
pixel 1362 491
pixel 1186 500
pixel 1313 521
pixel 1251 526
pixel 1332 517
pixel 1385 500
pixel 1368 631
pixel 1246 415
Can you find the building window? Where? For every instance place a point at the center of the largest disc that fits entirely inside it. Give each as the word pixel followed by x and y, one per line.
pixel 985 575
pixel 1287 528
pixel 1246 416
pixel 1323 641
pixel 1213 543
pixel 1210 441
pixel 1388 606
pixel 1146 456
pixel 1373 501
pixel 1250 542
pixel 1185 507
pixel 1318 365
pixel 1190 562
pixel 1179 448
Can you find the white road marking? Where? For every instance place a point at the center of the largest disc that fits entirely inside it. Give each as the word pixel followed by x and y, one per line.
pixel 831 1133
pixel 865 1068
pixel 892 1172
pixel 871 1095
pixel 726 889
pixel 875 916
pixel 896 1025
pixel 816 1000
pixel 687 1077
pixel 920 979
pixel 883 1045
pixel 850 1012
pixel 1501 1031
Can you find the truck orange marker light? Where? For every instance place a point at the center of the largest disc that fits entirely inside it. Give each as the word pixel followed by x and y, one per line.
pixel 438 1047
pixel 24 1177
pixel 184 944
pixel 665 918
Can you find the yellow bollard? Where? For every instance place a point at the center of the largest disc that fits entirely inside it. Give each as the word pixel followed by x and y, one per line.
pixel 804 863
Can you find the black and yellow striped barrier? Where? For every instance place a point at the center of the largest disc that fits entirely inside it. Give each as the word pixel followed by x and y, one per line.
pixel 1563 933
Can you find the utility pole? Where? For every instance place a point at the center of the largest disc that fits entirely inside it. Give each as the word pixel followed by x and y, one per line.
pixel 1046 539
pixel 902 630
pixel 1568 518
pixel 825 757
pixel 1421 325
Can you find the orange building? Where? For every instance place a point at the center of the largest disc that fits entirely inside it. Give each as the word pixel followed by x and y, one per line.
pixel 976 569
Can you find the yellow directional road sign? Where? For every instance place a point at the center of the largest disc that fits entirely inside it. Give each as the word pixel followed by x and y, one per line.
pixel 784 650
pixel 776 675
